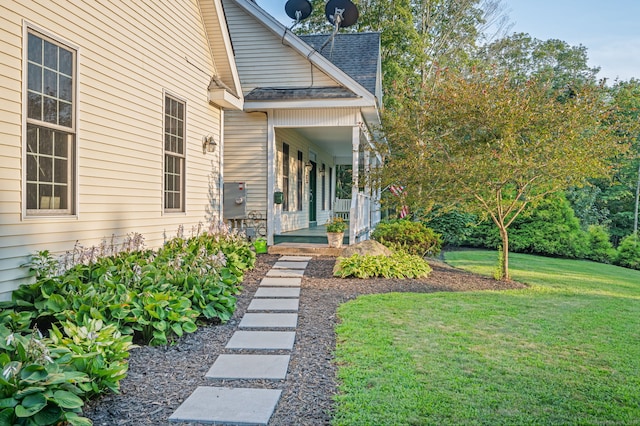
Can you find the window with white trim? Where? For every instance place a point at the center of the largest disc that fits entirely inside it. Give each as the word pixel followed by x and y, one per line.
pixel 174 154
pixel 50 132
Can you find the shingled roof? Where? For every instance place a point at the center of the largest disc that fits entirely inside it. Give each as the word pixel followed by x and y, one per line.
pixel 290 93
pixel 354 53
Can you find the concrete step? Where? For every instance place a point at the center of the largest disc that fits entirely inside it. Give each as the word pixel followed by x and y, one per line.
pixel 262 340
pixel 281 264
pixel 274 305
pixel 269 320
pixel 228 406
pixel 240 366
pixel 286 273
pixel 280 282
pixel 278 292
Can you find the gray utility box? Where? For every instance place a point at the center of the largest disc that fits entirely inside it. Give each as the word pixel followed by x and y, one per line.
pixel 235 200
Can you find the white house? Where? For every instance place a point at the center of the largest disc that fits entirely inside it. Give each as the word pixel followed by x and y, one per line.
pixel 104 109
pixel 306 111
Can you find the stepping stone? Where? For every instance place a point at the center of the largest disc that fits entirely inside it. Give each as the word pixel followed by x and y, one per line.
pixel 273 305
pixel 290 265
pixel 278 292
pixel 280 282
pixel 262 340
pixel 249 367
pixel 250 320
pixel 286 273
pixel 295 258
pixel 225 405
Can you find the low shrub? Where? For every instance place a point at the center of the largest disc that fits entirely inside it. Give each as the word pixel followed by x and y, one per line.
pixel 628 254
pixel 398 265
pixel 413 237
pixel 599 247
pixel 37 385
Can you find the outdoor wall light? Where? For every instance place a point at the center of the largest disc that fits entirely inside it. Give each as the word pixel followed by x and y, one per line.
pixel 208 144
pixel 308 166
pixel 323 171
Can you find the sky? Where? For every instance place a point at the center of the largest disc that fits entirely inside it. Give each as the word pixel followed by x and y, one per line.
pixel 609 29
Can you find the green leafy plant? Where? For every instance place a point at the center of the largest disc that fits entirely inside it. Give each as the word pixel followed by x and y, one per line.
pixel 398 265
pixel 600 247
pixel 413 237
pixel 629 252
pixel 336 224
pixel 99 350
pixel 37 387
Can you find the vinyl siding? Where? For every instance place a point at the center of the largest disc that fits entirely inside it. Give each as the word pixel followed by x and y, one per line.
pixel 245 156
pixel 257 50
pixel 129 54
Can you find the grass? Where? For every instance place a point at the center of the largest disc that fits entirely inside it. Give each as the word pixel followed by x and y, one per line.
pixel 564 351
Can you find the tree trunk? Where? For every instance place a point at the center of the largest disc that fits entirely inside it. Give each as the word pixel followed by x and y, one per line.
pixel 505 254
pixel 635 216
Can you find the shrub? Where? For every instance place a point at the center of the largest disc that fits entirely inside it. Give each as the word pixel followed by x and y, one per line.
pixel 399 265
pixel 550 228
pixel 599 247
pixel 37 385
pixel 454 226
pixel 628 254
pixel 413 237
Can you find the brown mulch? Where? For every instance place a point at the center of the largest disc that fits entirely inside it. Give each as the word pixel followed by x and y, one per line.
pixel 161 378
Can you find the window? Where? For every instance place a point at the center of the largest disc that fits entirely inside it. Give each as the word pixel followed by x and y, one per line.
pixel 174 154
pixel 285 177
pixel 50 133
pixel 300 172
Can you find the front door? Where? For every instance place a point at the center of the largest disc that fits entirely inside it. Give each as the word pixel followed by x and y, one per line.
pixel 312 194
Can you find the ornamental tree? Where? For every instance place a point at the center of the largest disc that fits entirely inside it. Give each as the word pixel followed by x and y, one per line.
pixel 495 145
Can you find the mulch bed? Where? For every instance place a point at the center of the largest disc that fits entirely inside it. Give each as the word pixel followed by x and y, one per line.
pixel 161 378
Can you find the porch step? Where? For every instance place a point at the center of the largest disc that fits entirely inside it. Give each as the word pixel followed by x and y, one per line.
pixel 305 249
pixel 315 238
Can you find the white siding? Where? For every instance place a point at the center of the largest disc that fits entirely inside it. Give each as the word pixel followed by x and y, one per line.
pixel 245 156
pixel 129 54
pixel 262 59
pixel 330 117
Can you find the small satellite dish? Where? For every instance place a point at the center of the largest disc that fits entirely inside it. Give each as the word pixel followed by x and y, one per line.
pixel 298 9
pixel 341 13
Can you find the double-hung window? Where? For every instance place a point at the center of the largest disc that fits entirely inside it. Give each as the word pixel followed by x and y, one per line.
pixel 50 126
pixel 174 154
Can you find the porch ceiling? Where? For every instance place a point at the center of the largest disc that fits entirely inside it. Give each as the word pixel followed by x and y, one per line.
pixel 334 140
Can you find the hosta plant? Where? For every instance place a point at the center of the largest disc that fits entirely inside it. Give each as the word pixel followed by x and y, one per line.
pixel 398 265
pixel 37 385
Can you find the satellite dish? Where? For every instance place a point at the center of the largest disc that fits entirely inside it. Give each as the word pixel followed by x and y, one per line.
pixel 341 13
pixel 298 9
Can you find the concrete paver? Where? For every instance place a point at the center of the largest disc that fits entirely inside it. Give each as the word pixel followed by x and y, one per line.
pixel 240 366
pixel 273 305
pixel 280 282
pixel 262 340
pixel 289 258
pixel 226 405
pixel 290 265
pixel 277 292
pixel 286 273
pixel 269 320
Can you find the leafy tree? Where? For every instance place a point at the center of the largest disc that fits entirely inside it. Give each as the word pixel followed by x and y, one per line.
pixel 496 144
pixel 417 36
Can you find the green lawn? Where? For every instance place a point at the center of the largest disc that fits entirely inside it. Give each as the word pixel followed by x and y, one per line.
pixel 564 351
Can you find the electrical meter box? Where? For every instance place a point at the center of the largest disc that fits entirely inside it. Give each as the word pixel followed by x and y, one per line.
pixel 235 200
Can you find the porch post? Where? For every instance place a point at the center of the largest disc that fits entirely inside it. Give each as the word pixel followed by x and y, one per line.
pixel 353 211
pixel 271 179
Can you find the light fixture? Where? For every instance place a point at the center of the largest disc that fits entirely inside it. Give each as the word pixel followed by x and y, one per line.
pixel 308 166
pixel 322 171
pixel 208 144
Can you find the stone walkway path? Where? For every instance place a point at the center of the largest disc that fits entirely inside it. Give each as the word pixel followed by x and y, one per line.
pixel 274 307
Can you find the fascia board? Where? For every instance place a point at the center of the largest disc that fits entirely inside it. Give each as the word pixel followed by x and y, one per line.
pixel 226 38
pixel 306 103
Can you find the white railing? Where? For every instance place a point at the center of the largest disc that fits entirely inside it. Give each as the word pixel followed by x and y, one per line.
pixel 342 208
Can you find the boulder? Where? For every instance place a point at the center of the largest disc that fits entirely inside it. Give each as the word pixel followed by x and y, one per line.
pixel 369 247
